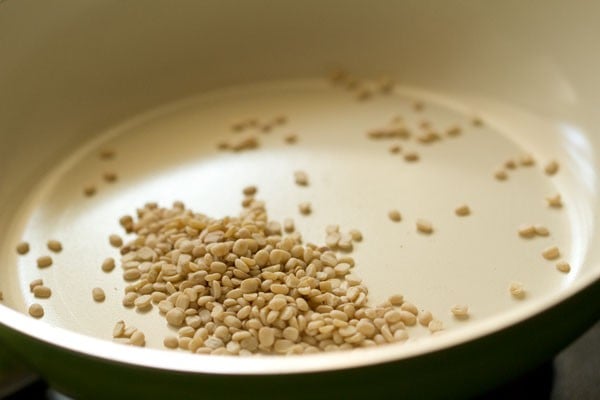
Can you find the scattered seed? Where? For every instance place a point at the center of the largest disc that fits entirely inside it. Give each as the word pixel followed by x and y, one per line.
pixel 364 94
pixel 501 175
pixel 108 264
pixel 477 121
pixel 305 208
pixel 396 299
pixel 460 311
pixel 36 310
pixel 418 105
pixel 23 248
pixel 551 253
pixel 425 317
pixel 171 342
pixel 517 289
pixel 554 201
pixel 119 329
pixel 110 176
pixel 107 154
pixel 424 226
pixel 462 210
pixel 541 230
pixel 288 225
pixel 291 138
pixel 42 292
pixel 526 231
pixel 250 190
pixel 115 240
pixel 395 149
pixel 411 156
pixel 34 283
pixel 137 339
pixel 44 261
pixel 435 325
pixel 510 164
pixel 143 302
pixel 356 235
pixel 394 215
pixel 526 160
pixel 551 168
pixel 563 266
pixel 301 178
pixel 453 131
pixel 89 190
pixel 98 294
pixel 54 245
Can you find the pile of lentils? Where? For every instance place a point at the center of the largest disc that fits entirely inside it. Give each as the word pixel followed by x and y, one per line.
pixel 241 286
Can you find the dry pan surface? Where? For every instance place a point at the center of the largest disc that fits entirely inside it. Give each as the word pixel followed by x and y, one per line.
pixel 355 181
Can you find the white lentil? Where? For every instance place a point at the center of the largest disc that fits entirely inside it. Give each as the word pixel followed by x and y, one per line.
pixel 551 168
pixel 107 154
pixel 563 266
pixel 526 160
pixel 54 245
pixel 34 283
pixel 500 175
pixel 301 178
pixel 119 329
pixel 305 208
pixel 510 164
pixel 435 325
pixel 291 138
pixel 554 201
pixel 36 310
pixel 143 302
pixel 411 156
pixel 551 253
pixel 526 231
pixel 108 264
pixel 250 190
pixel 171 342
pixel 23 248
pixel 410 307
pixel 541 230
pixel 109 176
pixel 89 190
pixel 44 261
pixel 42 292
pixel 137 339
pixel 517 289
pixel 115 240
pixel 424 226
pixel 425 317
pixel 477 121
pixel 460 311
pixel 98 294
pixel 175 317
pixel 394 215
pixel 356 235
pixel 395 148
pixel 462 210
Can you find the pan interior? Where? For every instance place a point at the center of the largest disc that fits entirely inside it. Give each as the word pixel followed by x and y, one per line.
pixel 171 154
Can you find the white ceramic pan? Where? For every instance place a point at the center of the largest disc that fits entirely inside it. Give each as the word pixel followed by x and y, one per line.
pixel 162 81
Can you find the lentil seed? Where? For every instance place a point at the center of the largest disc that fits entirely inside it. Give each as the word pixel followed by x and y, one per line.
pixel 563 266
pixel 108 264
pixel 460 311
pixel 36 310
pixel 424 226
pixel 517 289
pixel 526 231
pixel 171 342
pixel 23 248
pixel 425 317
pixel 42 292
pixel 551 168
pixel 34 283
pixel 305 208
pixel 541 230
pixel 301 178
pixel 462 210
pixel 411 156
pixel 115 240
pixel 500 175
pixel 89 190
pixel 98 294
pixel 551 253
pixel 250 190
pixel 44 261
pixel 394 215
pixel 554 201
